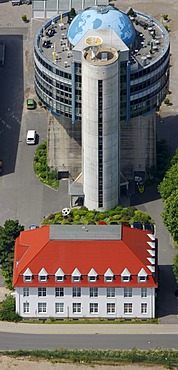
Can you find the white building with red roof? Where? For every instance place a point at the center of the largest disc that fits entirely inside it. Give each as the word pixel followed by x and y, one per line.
pixel 89 271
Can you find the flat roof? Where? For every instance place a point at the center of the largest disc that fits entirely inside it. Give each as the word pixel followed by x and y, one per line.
pixel 85 232
pixel 151 34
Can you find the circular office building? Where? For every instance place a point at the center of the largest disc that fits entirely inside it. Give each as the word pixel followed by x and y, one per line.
pixel 104 76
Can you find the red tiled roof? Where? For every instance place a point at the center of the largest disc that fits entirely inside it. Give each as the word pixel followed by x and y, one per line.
pixel 34 250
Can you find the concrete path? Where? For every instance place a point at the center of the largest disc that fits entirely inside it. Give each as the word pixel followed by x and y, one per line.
pixel 103 329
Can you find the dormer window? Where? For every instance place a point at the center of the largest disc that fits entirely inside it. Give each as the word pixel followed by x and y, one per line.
pixel 76 276
pixel 42 276
pixel 92 276
pixel 125 279
pixel 142 276
pixel 76 279
pixel 59 275
pixel 142 279
pixel 59 278
pixel 108 276
pixel 27 276
pixel 125 276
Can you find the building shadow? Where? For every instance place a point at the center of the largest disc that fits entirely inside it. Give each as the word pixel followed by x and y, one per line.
pixel 167 304
pixel 150 194
pixel 11 100
pixel 167 129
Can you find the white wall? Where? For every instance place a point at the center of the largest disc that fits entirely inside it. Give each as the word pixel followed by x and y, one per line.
pixel 85 300
pixel 107 72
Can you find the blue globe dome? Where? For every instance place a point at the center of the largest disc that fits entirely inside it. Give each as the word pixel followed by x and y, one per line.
pixel 101 17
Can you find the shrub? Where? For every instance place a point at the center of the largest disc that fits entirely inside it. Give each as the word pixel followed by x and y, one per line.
pixel 166 101
pixel 40 165
pixel 131 12
pixel 7 311
pixel 24 18
pixel 166 28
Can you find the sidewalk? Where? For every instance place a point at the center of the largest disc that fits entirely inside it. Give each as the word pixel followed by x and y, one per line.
pixel 140 329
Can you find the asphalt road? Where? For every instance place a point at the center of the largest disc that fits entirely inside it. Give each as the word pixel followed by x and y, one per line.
pixel 11 341
pixel 22 196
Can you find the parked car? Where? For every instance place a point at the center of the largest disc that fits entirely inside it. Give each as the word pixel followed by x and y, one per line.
pixel 33 226
pixel 31 137
pixel 138 225
pixel 149 227
pixel 31 104
pixel 16 2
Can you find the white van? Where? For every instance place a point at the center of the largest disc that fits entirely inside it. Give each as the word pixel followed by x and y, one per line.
pixel 16 2
pixel 31 137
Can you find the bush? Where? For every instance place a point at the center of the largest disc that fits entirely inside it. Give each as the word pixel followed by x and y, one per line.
pixel 24 18
pixel 40 165
pixel 131 12
pixel 166 101
pixel 7 311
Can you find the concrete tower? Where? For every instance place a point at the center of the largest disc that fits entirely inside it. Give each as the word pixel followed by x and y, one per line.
pixel 100 126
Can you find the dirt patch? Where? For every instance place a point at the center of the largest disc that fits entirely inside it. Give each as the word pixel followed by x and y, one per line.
pixel 9 363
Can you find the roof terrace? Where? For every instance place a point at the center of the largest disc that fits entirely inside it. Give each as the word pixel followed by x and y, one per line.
pixel 150 44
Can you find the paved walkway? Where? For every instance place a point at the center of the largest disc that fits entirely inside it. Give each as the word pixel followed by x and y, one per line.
pixel 140 329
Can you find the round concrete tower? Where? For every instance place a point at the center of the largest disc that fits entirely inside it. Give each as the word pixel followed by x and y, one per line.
pixel 100 125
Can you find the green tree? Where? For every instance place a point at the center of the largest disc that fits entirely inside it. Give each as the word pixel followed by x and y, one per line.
pixel 8 234
pixel 175 266
pixel 170 182
pixel 170 214
pixel 7 311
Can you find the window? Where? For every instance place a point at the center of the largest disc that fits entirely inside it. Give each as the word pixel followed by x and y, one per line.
pixel 142 279
pixel 41 292
pixel 127 292
pixel 59 307
pixel 59 292
pixel 41 307
pixel 76 279
pixel 125 279
pixel 26 307
pixel 43 278
pixel 110 292
pixel 28 278
pixel 109 279
pixel 92 278
pixel 93 292
pixel 143 292
pixel 76 307
pixel 25 292
pixel 143 307
pixel 93 307
pixel 76 292
pixel 127 307
pixel 111 308
pixel 59 278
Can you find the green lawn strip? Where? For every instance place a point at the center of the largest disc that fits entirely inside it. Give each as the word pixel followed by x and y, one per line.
pixel 151 357
pixel 40 164
pixel 52 320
